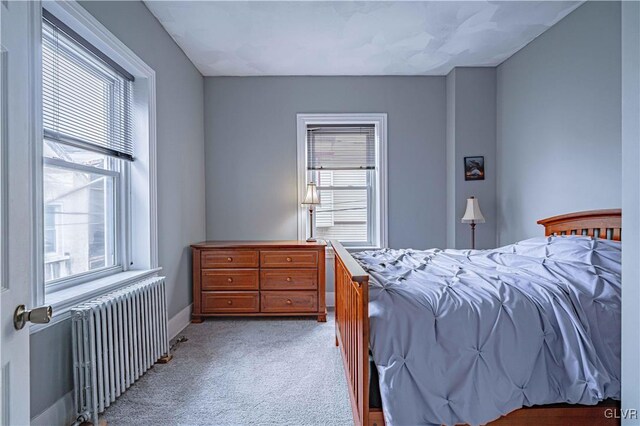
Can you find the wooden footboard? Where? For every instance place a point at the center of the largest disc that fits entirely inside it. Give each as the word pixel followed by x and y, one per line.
pixel 352 329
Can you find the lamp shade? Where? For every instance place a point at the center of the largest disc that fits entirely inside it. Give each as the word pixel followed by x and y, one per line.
pixel 473 213
pixel 312 196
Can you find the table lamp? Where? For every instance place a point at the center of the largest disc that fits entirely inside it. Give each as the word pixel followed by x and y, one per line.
pixel 472 216
pixel 311 199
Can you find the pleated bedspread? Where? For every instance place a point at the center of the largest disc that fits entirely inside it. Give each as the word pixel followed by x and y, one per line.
pixel 467 336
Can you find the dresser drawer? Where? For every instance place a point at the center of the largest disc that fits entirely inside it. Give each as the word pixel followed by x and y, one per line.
pixel 288 301
pixel 288 279
pixel 229 259
pixel 230 279
pixel 288 258
pixel 230 302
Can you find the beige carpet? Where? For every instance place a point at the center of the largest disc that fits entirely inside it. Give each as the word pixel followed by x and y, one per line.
pixel 243 372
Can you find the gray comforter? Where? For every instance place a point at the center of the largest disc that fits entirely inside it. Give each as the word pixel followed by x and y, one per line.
pixel 467 336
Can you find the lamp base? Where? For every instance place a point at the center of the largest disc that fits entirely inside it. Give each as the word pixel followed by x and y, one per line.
pixel 473 236
pixel 311 240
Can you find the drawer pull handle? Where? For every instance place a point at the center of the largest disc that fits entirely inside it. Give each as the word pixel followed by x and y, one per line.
pixel 289 301
pixel 229 280
pixel 229 259
pixel 229 302
pixel 288 259
pixel 288 279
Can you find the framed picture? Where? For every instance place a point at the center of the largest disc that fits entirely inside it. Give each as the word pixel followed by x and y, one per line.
pixel 473 168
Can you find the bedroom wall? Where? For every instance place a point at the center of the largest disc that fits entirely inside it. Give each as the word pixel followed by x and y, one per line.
pixel 180 163
pixel 631 207
pixel 471 132
pixel 451 154
pixel 558 122
pixel 250 133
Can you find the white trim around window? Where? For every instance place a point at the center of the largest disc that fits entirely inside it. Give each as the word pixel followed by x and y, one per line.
pixel 140 233
pixel 377 119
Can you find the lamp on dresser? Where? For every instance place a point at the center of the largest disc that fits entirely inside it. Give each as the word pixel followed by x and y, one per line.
pixel 472 216
pixel 311 199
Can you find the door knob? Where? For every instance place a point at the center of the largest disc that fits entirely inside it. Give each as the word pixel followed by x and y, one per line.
pixel 22 315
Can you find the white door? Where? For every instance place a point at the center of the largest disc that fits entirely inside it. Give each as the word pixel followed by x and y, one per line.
pixel 17 268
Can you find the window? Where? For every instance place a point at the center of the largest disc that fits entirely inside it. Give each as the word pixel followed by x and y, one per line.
pixel 97 218
pixel 51 235
pixel 345 156
pixel 87 150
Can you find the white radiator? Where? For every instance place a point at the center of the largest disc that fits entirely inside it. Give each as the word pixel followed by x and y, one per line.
pixel 116 339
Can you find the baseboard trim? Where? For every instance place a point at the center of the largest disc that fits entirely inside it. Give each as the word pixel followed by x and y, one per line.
pixel 330 299
pixel 60 413
pixel 180 321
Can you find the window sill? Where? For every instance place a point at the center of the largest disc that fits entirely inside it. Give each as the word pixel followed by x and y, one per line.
pixel 63 300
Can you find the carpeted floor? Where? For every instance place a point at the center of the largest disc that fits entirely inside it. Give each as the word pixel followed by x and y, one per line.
pixel 243 372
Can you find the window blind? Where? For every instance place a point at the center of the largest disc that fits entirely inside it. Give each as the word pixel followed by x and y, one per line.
pixel 86 96
pixel 336 147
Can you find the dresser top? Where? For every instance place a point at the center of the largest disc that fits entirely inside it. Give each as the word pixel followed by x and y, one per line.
pixel 259 244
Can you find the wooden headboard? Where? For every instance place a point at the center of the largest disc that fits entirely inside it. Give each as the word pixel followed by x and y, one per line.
pixel 594 223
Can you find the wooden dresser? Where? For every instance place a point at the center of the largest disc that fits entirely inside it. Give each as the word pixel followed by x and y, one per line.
pixel 258 278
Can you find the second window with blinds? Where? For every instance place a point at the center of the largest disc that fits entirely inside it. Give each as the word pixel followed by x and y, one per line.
pixel 344 155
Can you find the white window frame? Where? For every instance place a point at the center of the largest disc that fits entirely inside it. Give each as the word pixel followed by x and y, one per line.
pixel 137 201
pixel 379 120
pixel 4 177
pixel 121 206
pixel 372 196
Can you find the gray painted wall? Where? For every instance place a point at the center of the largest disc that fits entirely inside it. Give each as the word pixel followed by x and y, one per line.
pixel 180 160
pixel 471 131
pixel 250 132
pixel 451 157
pixel 558 122
pixel 631 207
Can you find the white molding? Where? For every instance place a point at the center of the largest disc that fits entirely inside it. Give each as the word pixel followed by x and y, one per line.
pixel 383 213
pixel 301 153
pixel 153 174
pixel 61 412
pixel 331 299
pixel 35 154
pixel 4 176
pixel 180 321
pixel 380 120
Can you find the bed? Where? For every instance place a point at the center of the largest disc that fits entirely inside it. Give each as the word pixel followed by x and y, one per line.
pixel 353 336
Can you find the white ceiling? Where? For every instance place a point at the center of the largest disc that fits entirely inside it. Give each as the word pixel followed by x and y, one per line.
pixel 241 38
